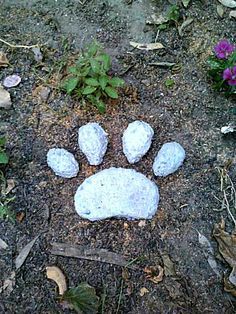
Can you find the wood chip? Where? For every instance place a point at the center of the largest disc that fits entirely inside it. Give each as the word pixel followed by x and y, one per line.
pixel 3 244
pixel 152 46
pixel 54 273
pixel 99 255
pixel 3 60
pixel 24 253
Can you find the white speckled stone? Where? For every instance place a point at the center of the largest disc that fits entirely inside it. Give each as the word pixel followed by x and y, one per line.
pixel 137 139
pixel 117 192
pixel 169 158
pixel 93 142
pixel 62 163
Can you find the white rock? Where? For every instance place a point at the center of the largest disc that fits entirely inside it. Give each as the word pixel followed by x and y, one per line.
pixel 169 158
pixel 62 162
pixel 117 192
pixel 93 142
pixel 137 139
pixel 5 98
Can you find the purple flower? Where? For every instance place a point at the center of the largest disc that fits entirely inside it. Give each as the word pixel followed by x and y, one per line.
pixel 229 75
pixel 223 49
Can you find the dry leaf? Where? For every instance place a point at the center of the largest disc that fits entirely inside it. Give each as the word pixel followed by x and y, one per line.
pixel 169 266
pixel 220 10
pixel 54 273
pixel 227 248
pixel 24 253
pixel 143 291
pixel 10 186
pixel 3 60
pixel 232 14
pixel 154 274
pixel 8 284
pixel 5 98
pixel 3 244
pixel 228 3
pixel 157 19
pixel 20 216
pixel 185 24
pixel 152 46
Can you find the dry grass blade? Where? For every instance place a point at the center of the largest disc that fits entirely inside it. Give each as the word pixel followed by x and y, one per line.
pixel 100 255
pixel 24 253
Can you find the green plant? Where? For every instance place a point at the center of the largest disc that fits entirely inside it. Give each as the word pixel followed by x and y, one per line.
pixel 82 298
pixel 222 67
pixel 169 83
pixel 89 80
pixel 171 17
pixel 5 212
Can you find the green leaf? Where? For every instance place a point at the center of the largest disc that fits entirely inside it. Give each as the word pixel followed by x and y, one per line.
pixel 83 298
pixel 185 3
pixel 169 83
pixel 162 26
pixel 101 106
pixel 72 70
pixel 95 66
pixel 2 141
pixel 92 49
pixel 111 92
pixel 88 90
pixel 173 13
pixel 103 80
pixel 92 82
pixel 106 60
pixel 214 64
pixel 3 158
pixel 70 84
pixel 116 82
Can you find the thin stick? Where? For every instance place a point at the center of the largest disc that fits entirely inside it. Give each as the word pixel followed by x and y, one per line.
pixel 18 46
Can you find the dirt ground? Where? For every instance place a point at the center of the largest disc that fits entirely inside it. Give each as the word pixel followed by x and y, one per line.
pixel 190 113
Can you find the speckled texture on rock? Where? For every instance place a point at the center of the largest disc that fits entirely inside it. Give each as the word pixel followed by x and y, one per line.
pixel 117 192
pixel 62 163
pixel 169 158
pixel 93 142
pixel 137 139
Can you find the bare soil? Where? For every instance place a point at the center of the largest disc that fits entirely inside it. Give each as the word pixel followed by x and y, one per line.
pixel 190 113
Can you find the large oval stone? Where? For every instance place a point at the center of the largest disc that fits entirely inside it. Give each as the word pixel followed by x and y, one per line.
pixel 117 192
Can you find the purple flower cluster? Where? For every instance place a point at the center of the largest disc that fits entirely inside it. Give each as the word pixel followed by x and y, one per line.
pixel 224 49
pixel 229 75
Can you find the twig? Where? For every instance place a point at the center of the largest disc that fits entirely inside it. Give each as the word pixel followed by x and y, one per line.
pixel 99 255
pixel 18 46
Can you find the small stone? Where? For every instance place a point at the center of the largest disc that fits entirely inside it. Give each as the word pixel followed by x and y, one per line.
pixel 12 81
pixel 62 163
pixel 93 142
pixel 5 98
pixel 137 139
pixel 169 158
pixel 117 192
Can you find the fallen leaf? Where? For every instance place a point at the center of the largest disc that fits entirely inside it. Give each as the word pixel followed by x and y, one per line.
pixel 228 3
pixel 185 3
pixel 9 283
pixel 227 248
pixel 24 253
pixel 154 273
pixel 185 24
pixel 169 266
pixel 20 216
pixel 232 14
pixel 11 81
pixel 54 273
pixel 157 19
pixel 3 244
pixel 3 60
pixel 143 291
pixel 5 98
pixel 152 46
pixel 220 10
pixel 82 298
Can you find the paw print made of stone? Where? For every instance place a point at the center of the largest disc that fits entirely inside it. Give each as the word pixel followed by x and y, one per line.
pixel 117 192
